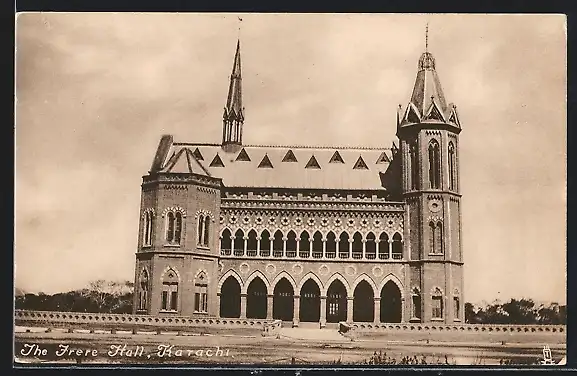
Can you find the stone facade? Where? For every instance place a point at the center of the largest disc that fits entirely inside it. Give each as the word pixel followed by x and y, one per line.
pixel 302 233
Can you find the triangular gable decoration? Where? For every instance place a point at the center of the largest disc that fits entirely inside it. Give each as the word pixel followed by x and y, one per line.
pixel 411 115
pixel 312 163
pixel 336 158
pixel 243 156
pixel 434 113
pixel 196 154
pixel 383 158
pixel 360 164
pixel 216 162
pixel 289 157
pixel 265 163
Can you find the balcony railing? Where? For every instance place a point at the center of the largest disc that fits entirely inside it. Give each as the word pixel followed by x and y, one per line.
pixel 278 253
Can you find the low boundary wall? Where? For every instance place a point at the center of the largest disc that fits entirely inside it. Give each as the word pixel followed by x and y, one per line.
pixel 432 327
pixel 114 322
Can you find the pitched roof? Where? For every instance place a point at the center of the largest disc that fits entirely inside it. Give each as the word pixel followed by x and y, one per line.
pixel 286 174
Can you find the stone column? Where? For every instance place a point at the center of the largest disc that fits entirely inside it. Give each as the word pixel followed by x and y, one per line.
pixel 377 318
pixel 245 243
pixel 243 306
pixel 377 241
pixel 364 249
pixel 323 311
pixel 284 239
pixel 296 309
pixel 311 247
pixel 269 304
pixel 350 309
pixel 217 309
pixel 258 246
pixel 391 249
pixel 403 309
pixel 350 248
pixel 298 240
pixel 324 248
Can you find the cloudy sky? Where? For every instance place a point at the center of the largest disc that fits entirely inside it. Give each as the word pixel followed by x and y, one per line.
pixel 95 92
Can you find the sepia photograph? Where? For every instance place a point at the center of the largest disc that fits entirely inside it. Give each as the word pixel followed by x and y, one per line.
pixel 268 189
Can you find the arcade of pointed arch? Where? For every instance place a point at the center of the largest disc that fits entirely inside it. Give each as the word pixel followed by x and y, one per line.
pixel 322 222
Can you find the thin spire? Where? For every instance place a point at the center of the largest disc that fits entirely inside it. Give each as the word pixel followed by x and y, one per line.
pixel 234 99
pixel 427 37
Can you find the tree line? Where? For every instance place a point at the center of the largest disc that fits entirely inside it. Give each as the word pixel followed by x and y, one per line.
pixel 116 297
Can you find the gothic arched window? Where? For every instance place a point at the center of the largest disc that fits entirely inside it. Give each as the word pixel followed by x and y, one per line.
pixel 200 229
pixel 201 293
pixel 148 225
pixel 452 167
pixel 170 291
pixel 437 304
pixel 239 243
pixel 206 231
pixel 434 165
pixel 416 303
pixel 456 306
pixel 414 161
pixel 439 238
pixel 177 227
pixel 170 227
pixel 143 290
pixel 226 242
pixel 397 246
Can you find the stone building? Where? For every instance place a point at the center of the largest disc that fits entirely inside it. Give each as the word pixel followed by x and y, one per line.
pixel 306 233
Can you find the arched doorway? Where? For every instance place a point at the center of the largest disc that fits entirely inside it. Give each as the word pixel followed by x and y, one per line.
pixel 256 299
pixel 336 302
pixel 283 301
pixel 390 303
pixel 363 303
pixel 230 298
pixel 310 302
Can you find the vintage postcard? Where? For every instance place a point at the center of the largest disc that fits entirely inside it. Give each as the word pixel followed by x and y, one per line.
pixel 305 189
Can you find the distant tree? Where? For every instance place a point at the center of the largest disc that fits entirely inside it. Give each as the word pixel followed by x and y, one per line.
pixel 110 296
pixel 520 311
pixel 471 314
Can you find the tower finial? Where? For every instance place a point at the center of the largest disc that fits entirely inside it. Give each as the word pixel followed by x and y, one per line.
pixel 427 37
pixel 239 24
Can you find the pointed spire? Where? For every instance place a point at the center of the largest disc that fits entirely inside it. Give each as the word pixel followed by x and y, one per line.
pixel 233 116
pixel 427 99
pixel 234 100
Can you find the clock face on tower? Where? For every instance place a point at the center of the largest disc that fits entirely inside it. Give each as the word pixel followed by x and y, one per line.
pixel 435 206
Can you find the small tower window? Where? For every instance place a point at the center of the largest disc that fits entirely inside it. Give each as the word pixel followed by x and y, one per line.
pixel 360 164
pixel 437 304
pixel 174 226
pixel 312 163
pixel 336 158
pixel 452 170
pixel 265 163
pixel 200 229
pixel 143 291
pixel 456 307
pixel 148 226
pixel 436 237
pixel 289 157
pixel 416 303
pixel 206 231
pixel 414 162
pixel 434 165
pixel 170 291
pixel 201 293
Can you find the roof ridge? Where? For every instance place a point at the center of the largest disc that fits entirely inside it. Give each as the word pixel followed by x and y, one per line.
pixel 318 147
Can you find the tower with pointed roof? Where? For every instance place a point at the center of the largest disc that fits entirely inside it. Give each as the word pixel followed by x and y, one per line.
pixel 428 130
pixel 233 116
